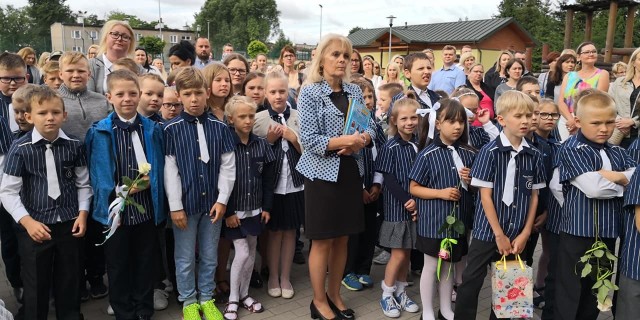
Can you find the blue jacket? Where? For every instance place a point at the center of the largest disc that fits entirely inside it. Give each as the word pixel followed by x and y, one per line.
pixel 100 143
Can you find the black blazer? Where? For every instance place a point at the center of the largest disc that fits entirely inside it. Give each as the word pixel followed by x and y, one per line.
pixel 486 88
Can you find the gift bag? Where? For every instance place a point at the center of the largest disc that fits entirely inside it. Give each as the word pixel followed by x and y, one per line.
pixel 512 289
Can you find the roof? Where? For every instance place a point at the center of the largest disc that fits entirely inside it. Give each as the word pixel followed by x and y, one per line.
pixel 444 32
pixel 599 5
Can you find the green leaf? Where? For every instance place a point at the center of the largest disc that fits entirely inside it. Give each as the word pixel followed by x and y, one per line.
pixel 451 220
pixel 459 227
pixel 598 253
pixel 585 258
pixel 443 228
pixel 602 293
pixel 597 285
pixel 586 270
pixel 607 283
pixel 616 287
pixel 126 180
pixel 140 208
pixel 142 184
pixel 611 257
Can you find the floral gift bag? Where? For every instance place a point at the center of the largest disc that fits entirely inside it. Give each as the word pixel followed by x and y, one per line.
pixel 512 289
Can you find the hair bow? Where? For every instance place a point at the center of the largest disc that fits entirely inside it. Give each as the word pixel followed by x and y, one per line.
pixel 432 118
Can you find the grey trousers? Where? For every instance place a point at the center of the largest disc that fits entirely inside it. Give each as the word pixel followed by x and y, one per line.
pixel 628 305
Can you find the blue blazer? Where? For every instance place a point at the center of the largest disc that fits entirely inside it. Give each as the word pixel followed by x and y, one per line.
pixel 101 150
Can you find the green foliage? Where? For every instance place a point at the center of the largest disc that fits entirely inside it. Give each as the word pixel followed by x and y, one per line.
pixel 354 29
pixel 133 20
pixel 15 29
pixel 43 13
pixel 238 21
pixel 152 44
pixel 256 47
pixel 277 47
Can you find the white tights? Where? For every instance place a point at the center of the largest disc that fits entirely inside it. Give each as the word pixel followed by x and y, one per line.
pixel 427 288
pixel 242 266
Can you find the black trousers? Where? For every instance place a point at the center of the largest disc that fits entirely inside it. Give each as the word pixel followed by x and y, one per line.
pixel 51 264
pixel 531 248
pixel 361 245
pixel 574 299
pixel 130 255
pixel 160 255
pixel 9 248
pixel 481 253
pixel 550 280
pixel 92 256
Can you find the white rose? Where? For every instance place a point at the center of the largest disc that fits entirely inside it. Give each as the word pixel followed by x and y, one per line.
pixel 144 168
pixel 605 305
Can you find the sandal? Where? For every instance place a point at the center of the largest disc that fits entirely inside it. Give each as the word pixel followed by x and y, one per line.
pixel 253 305
pixel 230 314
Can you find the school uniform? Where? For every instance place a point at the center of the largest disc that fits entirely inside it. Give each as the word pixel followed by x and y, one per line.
pixel 437 167
pixel 426 98
pixel 130 252
pixel 627 306
pixel 394 163
pixel 253 189
pixel 157 118
pixel 31 187
pixel 199 171
pixel 587 193
pixel 634 150
pixel 511 193
pixel 6 112
pixel 8 239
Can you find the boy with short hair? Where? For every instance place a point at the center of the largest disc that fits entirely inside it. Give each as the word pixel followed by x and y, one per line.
pixel 151 97
pixel 594 174
pixel 46 189
pixel 84 107
pixel 51 71
pixel 199 177
pixel 171 105
pixel 21 103
pixel 418 69
pixel 508 173
pixel 13 75
pixel 118 146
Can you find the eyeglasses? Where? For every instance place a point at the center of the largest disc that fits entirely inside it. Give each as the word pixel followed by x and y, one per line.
pixel 238 71
pixel 17 80
pixel 119 36
pixel 355 60
pixel 589 52
pixel 173 106
pixel 289 56
pixel 547 115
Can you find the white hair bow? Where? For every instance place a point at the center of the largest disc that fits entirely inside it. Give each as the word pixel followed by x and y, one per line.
pixel 432 118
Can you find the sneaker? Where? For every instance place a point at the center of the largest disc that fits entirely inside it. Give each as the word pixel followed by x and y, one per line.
pixel 538 300
pixel 351 282
pixel 98 290
pixel 19 294
pixel 382 258
pixel 390 307
pixel 210 311
pixel 160 299
pixel 192 312
pixel 366 280
pixel 110 311
pixel 406 304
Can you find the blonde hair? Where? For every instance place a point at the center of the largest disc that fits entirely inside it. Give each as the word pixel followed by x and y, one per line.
pixel 24 52
pixel 50 67
pixel 71 57
pixel 386 72
pixel 595 98
pixel 408 101
pixel 619 66
pixel 275 76
pixel 210 72
pixel 104 33
pixel 151 76
pixel 93 46
pixel 465 56
pixel 631 70
pixel 23 95
pixel 43 59
pixel 315 72
pixel 463 93
pixel 163 72
pixel 546 101
pixel 513 100
pixel 121 75
pixel 503 52
pixel 40 94
pixel 190 78
pixel 128 64
pixel 235 101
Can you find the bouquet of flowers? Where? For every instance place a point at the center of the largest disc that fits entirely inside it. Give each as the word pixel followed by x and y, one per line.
pixel 123 199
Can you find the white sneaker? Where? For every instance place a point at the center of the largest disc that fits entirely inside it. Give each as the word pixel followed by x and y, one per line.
pixel 382 258
pixel 160 301
pixel 110 311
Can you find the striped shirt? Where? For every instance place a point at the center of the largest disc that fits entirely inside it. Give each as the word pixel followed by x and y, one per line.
pixel 127 165
pixel 6 136
pixel 478 137
pixel 26 160
pixel 289 158
pixel 369 156
pixel 554 210
pixel 6 112
pixel 634 150
pixel 394 160
pixel 199 180
pixel 579 156
pixel 249 191
pixel 544 146
pixel 630 251
pixel 156 118
pixel 490 171
pixel 434 168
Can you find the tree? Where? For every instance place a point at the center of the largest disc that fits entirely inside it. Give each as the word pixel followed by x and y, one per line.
pixel 354 30
pixel 256 47
pixel 133 20
pixel 153 45
pixel 15 29
pixel 238 21
pixel 280 43
pixel 43 13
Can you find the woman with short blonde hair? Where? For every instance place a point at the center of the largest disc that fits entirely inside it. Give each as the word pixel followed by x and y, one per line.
pixel 116 41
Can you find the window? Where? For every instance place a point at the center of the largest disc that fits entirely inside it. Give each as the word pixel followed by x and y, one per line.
pixel 93 34
pixel 138 36
pixel 77 49
pixel 76 34
pixel 173 39
pixel 186 37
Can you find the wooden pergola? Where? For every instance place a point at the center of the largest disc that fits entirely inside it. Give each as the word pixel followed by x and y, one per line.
pixel 593 6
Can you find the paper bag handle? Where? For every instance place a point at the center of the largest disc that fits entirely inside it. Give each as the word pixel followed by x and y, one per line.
pixel 503 262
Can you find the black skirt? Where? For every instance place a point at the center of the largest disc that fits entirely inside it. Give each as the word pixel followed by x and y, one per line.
pixel 251 226
pixel 431 247
pixel 287 212
pixel 335 209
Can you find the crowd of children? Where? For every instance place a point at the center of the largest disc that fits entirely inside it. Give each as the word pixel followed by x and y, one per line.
pixel 443 181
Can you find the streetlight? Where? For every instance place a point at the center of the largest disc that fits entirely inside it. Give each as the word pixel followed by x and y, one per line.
pixel 390 31
pixel 198 28
pixel 208 36
pixel 320 21
pixel 81 20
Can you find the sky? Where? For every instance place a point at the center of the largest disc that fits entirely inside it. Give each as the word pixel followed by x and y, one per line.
pixel 300 20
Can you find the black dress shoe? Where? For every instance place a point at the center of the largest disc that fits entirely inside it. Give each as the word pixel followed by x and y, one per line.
pixel 440 316
pixel 315 314
pixel 347 314
pixel 256 280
